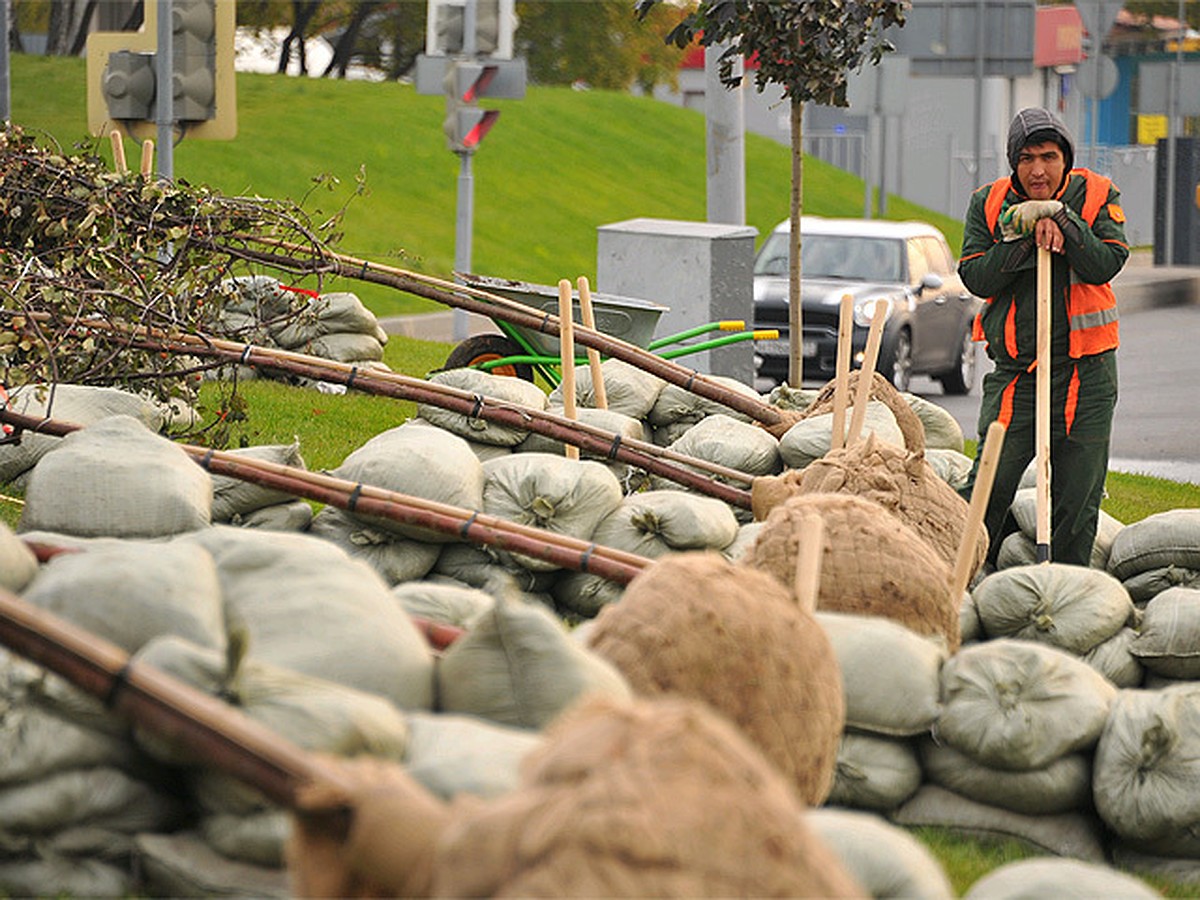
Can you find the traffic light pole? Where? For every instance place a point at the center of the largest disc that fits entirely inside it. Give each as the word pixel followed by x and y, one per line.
pixel 164 101
pixel 463 225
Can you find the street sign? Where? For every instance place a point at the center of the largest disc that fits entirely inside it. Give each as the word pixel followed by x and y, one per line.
pixel 1097 77
pixel 1154 80
pixel 1098 17
pixel 956 37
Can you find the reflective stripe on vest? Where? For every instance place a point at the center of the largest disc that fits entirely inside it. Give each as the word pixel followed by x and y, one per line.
pixel 1091 308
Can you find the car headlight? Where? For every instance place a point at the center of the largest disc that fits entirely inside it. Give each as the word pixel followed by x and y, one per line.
pixel 864 311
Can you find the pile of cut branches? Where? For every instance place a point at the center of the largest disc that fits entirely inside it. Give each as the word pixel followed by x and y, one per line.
pixel 85 244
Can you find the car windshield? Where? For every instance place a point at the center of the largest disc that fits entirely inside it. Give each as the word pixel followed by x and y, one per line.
pixel 844 256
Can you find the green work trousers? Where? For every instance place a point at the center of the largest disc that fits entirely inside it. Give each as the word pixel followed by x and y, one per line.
pixel 1083 395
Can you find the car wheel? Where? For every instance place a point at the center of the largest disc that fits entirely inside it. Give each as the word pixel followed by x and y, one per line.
pixel 486 348
pixel 897 363
pixel 961 379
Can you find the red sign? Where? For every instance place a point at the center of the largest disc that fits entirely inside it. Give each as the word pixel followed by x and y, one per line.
pixel 1057 36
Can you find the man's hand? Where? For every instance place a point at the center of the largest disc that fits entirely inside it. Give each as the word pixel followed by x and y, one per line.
pixel 1020 219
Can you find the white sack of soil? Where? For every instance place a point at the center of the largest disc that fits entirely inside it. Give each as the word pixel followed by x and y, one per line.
pixel 1069 607
pixel 305 605
pixel 1016 550
pixel 581 595
pixel 731 443
pixel 338 312
pixel 884 859
pixel 312 713
pixel 101 797
pixel 628 389
pixel 1147 765
pixel 952 466
pixel 1130 858
pixel 294 516
pixel 810 438
pixel 889 673
pixel 942 431
pixel 1073 834
pixel 395 558
pixel 1114 660
pixel 235 497
pixel 490 571
pixel 419 460
pixel 1063 785
pixel 256 838
pixel 499 390
pixel 677 406
pixel 1168 641
pixel 35 743
pixel 49 875
pixel 518 666
pixel 622 426
pixel 117 478
pixel 445 603
pixel 876 773
pixel 1020 705
pixel 77 403
pixel 970 627
pixel 345 347
pixel 1145 586
pixel 1024 510
pixel 452 755
pixel 743 542
pixel 561 495
pixel 652 523
pixel 185 865
pixel 130 592
pixel 1170 538
pixel 18 564
pixel 1064 878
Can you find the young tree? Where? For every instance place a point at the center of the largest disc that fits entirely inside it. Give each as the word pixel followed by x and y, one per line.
pixel 807 47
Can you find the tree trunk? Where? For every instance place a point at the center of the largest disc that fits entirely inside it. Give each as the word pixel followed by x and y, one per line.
pixel 303 12
pixel 795 314
pixel 81 30
pixel 344 51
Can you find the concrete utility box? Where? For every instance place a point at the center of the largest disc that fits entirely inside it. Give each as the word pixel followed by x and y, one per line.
pixel 703 272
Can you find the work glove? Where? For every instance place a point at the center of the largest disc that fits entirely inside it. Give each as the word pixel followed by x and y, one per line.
pixel 1021 218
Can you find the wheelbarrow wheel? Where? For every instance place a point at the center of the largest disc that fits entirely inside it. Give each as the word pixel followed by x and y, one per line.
pixel 484 348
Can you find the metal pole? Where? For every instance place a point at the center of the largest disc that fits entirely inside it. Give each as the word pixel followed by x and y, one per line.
pixel 464 218
pixel 1174 126
pixel 725 141
pixel 164 68
pixel 980 16
pixel 5 89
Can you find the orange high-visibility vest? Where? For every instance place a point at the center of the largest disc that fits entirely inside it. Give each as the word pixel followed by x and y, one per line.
pixel 1091 308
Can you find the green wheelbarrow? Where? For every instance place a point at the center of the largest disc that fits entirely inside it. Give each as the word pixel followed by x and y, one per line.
pixel 524 353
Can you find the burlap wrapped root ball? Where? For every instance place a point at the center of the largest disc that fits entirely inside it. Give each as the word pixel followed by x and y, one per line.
pixel 696 625
pixel 660 798
pixel 871 563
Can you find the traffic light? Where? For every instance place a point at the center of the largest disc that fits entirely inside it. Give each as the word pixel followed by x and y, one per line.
pixel 464 83
pixel 466 126
pixel 447 33
pixel 122 77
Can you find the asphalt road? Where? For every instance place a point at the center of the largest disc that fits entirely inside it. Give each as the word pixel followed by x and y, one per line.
pixel 1157 426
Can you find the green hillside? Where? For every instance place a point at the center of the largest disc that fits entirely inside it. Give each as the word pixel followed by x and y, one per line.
pixel 557 165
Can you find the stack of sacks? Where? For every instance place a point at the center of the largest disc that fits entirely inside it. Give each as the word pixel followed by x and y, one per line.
pixel 650 524
pixel 1159 552
pixel 1082 611
pixel 871 564
pixel 623 426
pixel 890 680
pixel 259 310
pixel 1058 878
pixel 500 390
pixel 77 403
pixel 1010 749
pixel 676 410
pixel 249 505
pixel 696 625
pixel 629 390
pixel 1167 642
pixel 1020 547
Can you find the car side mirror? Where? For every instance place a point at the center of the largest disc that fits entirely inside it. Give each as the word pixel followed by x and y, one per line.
pixel 931 281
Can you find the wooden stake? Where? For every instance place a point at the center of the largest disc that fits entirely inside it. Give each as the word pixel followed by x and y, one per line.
pixel 866 374
pixel 566 343
pixel 118 152
pixel 1042 423
pixel 147 158
pixel 589 321
pixel 993 442
pixel 841 384
pixel 808 561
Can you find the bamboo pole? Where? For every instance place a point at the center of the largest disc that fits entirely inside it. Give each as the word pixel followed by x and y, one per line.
pixel 118 152
pixel 841 385
pixel 494 306
pixel 981 493
pixel 566 350
pixel 866 374
pixel 147 159
pixel 1042 423
pixel 587 314
pixel 808 561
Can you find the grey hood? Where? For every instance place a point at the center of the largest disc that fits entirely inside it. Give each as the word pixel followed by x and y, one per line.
pixel 1029 122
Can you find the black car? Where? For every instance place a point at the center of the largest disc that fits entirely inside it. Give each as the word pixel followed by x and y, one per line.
pixel 906 265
